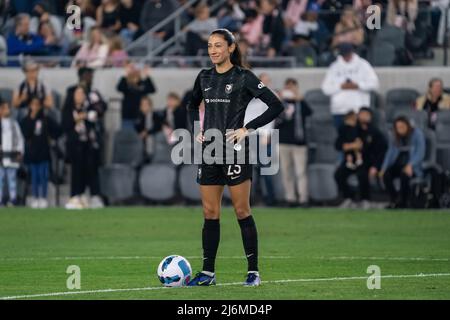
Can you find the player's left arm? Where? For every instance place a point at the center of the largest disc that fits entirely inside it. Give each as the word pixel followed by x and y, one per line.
pixel 258 90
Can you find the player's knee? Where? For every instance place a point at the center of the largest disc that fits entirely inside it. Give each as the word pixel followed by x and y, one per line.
pixel 211 212
pixel 242 212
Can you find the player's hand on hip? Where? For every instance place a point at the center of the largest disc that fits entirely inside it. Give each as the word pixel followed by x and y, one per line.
pixel 236 135
pixel 200 138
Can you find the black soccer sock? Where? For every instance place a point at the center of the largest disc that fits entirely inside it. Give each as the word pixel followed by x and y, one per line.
pixel 250 240
pixel 210 239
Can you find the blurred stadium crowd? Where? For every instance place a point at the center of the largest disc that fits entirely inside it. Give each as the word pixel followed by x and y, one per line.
pixel 338 144
pixel 308 30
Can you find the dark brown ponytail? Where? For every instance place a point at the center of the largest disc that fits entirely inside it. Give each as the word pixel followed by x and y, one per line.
pixel 236 56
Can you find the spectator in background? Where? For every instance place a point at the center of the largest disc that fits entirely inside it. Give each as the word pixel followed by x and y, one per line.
pixel 255 108
pixel 300 47
pixel 295 9
pixel 84 139
pixel 11 152
pixel 252 29
pixel 88 9
pixel 108 16
pixel 434 100
pixel 135 85
pixel 349 81
pixel 361 6
pixel 94 53
pixel 41 14
pixel 38 130
pixel 117 57
pixel 348 29
pixel 348 134
pixel 31 87
pixel 173 117
pixel 3 51
pixel 23 42
pixel 403 160
pixel 145 126
pixel 402 14
pixel 52 42
pixel 370 142
pixel 246 51
pixel 293 144
pixel 23 6
pixel 130 11
pixel 73 39
pixel 155 11
pixel 273 27
pixel 444 21
pixel 307 24
pixel 231 16
pixel 199 30
pixel 85 80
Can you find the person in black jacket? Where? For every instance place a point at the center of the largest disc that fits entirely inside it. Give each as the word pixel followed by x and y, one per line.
pixel 146 125
pixel 134 86
pixel 273 26
pixel 85 80
pixel 84 140
pixel 373 145
pixel 348 133
pixel 38 131
pixel 293 144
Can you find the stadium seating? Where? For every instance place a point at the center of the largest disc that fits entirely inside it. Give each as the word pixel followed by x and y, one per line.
pixel 393 35
pixel 399 98
pixel 321 184
pixel 157 182
pixel 6 94
pixel 161 149
pixel 319 102
pixel 117 182
pixel 57 100
pixel 128 148
pixel 382 54
pixel 127 156
pixel 187 183
pixel 419 119
pixel 443 139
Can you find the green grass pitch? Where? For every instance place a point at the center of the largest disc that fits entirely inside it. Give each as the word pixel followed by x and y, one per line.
pixel 304 253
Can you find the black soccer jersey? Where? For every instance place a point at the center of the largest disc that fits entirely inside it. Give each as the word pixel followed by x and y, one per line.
pixel 226 96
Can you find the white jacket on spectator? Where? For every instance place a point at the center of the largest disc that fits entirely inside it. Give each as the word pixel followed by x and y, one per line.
pixel 12 141
pixel 358 71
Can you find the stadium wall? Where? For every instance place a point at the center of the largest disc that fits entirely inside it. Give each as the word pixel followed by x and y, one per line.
pixel 182 80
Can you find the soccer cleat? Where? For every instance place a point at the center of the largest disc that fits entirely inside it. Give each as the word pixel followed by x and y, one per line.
pixel 253 279
pixel 202 279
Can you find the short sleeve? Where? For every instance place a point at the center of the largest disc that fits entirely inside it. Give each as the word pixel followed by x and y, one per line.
pixel 254 85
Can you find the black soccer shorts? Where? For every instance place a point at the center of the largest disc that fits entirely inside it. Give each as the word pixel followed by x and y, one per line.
pixel 224 174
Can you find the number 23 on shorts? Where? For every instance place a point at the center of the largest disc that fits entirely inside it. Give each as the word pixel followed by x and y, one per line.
pixel 234 170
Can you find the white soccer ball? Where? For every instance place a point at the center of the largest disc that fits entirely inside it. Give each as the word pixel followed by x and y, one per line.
pixel 174 271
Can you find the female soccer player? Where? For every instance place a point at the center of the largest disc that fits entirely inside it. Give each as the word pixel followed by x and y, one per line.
pixel 226 89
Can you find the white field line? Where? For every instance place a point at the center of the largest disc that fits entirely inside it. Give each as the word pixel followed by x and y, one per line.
pixel 223 257
pixel 67 293
pixel 386 258
pixel 128 258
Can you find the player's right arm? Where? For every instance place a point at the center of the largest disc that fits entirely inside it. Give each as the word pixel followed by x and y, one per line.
pixel 193 105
